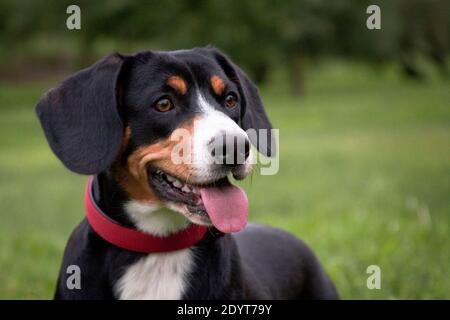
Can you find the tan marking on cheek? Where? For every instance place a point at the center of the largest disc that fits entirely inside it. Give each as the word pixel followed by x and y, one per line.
pixel 134 178
pixel 126 139
pixel 217 85
pixel 180 170
pixel 177 83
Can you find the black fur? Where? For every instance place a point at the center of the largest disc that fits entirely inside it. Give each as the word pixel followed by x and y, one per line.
pixel 84 120
pixel 80 117
pixel 253 114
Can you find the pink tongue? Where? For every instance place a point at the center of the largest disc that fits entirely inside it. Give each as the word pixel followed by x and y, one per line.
pixel 227 207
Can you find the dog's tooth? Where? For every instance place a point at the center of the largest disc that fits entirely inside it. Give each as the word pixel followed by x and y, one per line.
pixel 177 183
pixel 170 178
pixel 195 190
pixel 186 188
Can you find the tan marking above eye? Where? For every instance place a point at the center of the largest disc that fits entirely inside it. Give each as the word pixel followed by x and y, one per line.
pixel 178 84
pixel 218 85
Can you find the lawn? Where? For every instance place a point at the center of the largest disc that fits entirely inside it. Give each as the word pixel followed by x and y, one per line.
pixel 364 179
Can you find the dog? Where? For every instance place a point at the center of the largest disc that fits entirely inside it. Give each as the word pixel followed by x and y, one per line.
pixel 156 229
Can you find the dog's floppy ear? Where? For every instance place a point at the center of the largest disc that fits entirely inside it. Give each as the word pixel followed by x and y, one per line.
pixel 253 114
pixel 80 117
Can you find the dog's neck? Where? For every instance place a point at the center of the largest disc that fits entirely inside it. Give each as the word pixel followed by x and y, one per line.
pixel 146 217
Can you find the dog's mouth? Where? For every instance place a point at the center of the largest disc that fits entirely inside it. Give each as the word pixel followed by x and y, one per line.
pixel 217 202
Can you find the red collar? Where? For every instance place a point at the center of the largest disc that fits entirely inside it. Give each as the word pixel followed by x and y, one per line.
pixel 132 239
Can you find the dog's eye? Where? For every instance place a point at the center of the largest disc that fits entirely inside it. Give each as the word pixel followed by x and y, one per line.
pixel 163 105
pixel 231 101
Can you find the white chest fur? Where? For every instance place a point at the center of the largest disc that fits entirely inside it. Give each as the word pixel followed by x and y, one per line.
pixel 158 276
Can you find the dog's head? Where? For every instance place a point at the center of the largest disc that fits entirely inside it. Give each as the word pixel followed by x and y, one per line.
pixel 168 126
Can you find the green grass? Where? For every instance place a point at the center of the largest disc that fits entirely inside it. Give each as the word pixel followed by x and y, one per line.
pixel 364 179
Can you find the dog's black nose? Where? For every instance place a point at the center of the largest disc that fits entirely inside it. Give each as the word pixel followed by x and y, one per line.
pixel 230 150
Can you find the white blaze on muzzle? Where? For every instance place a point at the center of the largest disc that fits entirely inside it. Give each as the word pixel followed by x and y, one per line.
pixel 211 130
pixel 226 204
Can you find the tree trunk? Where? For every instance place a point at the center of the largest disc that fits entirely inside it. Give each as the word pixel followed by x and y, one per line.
pixel 295 70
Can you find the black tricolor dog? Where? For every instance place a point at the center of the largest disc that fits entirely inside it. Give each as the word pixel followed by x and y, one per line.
pixel 157 229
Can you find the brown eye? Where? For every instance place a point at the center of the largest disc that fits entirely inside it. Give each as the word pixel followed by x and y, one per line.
pixel 163 105
pixel 231 101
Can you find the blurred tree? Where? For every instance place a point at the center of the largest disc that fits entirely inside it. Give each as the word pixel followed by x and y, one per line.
pixel 256 34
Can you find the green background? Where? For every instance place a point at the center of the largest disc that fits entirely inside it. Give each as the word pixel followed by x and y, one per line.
pixel 364 123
